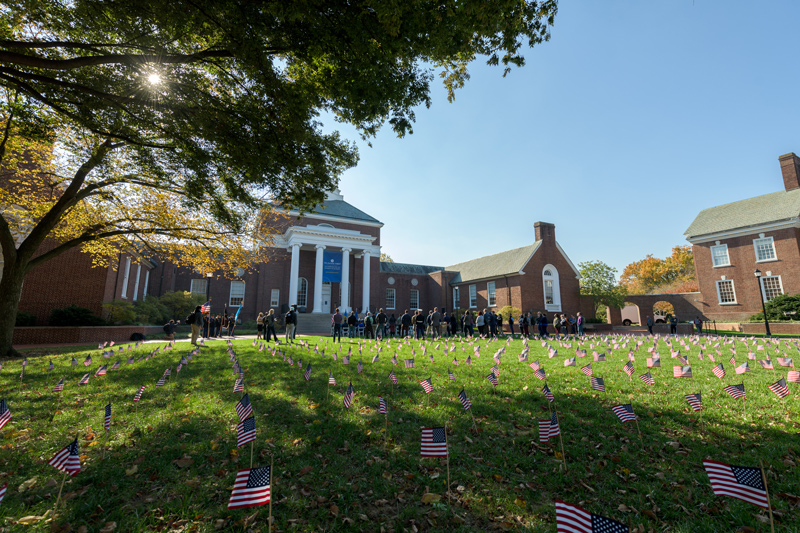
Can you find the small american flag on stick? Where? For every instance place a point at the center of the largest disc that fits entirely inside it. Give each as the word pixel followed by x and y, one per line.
pixel 587 369
pixel 549 428
pixel 331 379
pixel 695 401
pixel 382 406
pixel 450 375
pixel 548 393
pixel 307 373
pixel 243 408
pixel 766 364
pixel 628 368
pixel 647 378
pixel 246 431
pixel 682 371
pixel 492 379
pixel 742 482
pixel 239 385
pixel 107 419
pixel 87 361
pixel 572 519
pixel 736 391
pixel 5 413
pixel 744 367
pixel 427 385
pixel 785 361
pixel 348 396
pixel 67 459
pixel 434 442
pixel 719 371
pixel 59 386
pixel 780 388
pixel 251 488
pixel 85 379
pixel 138 395
pixel 793 376
pixel 540 373
pixel 464 400
pixel 624 412
pixel 409 363
pixel 598 384
pixel 653 362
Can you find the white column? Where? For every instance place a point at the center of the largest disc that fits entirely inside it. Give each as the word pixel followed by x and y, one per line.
pixel 345 285
pixel 318 280
pixel 294 273
pixel 136 283
pixel 365 289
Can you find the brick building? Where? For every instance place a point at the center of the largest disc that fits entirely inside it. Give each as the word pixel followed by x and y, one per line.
pixel 329 257
pixel 730 242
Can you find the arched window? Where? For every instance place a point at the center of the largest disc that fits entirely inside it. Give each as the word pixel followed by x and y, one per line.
pixel 552 289
pixel 325 225
pixel 302 292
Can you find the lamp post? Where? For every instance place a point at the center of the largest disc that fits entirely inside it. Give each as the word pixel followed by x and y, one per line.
pixel 757 274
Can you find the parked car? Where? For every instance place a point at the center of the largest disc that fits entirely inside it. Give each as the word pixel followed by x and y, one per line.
pixel 630 315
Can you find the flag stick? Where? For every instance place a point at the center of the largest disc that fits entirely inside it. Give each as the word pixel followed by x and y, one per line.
pixel 766 489
pixel 271 490
pixel 639 430
pixel 58 499
pixel 473 419
pixel 448 461
pixel 561 438
pixel 251 455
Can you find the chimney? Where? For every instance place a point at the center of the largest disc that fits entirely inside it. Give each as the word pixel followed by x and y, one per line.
pixel 790 168
pixel 544 231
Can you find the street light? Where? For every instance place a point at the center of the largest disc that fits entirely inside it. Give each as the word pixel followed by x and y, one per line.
pixel 757 274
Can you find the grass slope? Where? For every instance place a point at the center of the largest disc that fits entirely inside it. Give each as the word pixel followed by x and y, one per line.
pixel 170 461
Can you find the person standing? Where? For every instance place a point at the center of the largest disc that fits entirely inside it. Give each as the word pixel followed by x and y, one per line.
pixel 197 323
pixel 650 324
pixel 392 325
pixel 405 324
pixel 368 323
pixel 467 322
pixel 480 322
pixel 381 319
pixel 673 325
pixel 269 325
pixel 260 326
pixel 420 323
pixel 336 320
pixel 231 326
pixel 453 324
pixel 291 324
pixel 436 323
pixel 579 322
pixel 699 325
pixel 352 325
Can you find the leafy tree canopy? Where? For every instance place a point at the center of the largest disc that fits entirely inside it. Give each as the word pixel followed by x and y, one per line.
pixel 652 275
pixel 599 280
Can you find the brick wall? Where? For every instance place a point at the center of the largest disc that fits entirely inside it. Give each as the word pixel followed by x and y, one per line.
pixel 89 335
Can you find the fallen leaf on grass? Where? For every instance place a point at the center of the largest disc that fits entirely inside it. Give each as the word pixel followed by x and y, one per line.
pixel 623 508
pixel 28 520
pixel 27 484
pixel 431 498
pixel 132 470
pixel 305 470
pixel 109 527
pixel 183 462
pixel 334 509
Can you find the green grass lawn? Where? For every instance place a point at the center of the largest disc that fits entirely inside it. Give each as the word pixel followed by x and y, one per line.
pixel 171 460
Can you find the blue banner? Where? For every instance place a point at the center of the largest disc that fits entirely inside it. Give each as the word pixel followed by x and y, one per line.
pixel 331 266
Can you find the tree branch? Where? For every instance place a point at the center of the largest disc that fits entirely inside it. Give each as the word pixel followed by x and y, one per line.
pixel 25 60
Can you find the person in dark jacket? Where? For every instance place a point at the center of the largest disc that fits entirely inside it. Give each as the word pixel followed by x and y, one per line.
pixel 196 324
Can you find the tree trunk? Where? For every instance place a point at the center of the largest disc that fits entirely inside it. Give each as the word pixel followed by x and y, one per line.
pixel 10 292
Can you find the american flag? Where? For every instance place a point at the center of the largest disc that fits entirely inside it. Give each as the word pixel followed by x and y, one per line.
pixel 206 307
pixel 793 376
pixel 741 482
pixel 434 442
pixel 178 368
pixel 115 365
pixel 780 388
pixel 5 413
pixel 454 361
pixel 59 386
pixel 492 379
pixel 695 401
pixel 245 431
pixel 535 365
pixel 51 366
pixel 409 363
pixel 251 488
pixel 785 361
pixel 382 406
pixel 744 367
pixel 450 375
pixel 427 384
pixel 360 367
pixel 87 361
pixel 653 362
pixel 549 428
pixel 24 362
pixel 732 360
pixel 569 362
pixel 239 385
pixel 572 519
pixel 628 368
pixel 540 373
pixel 647 378
pixel 394 360
pixel 719 371
pixel 348 396
pixel 736 391
pixel 496 370
pixel 107 419
pixel 598 356
pixel 331 379
pixel 85 379
pixel 393 377
pixel 307 373
pixel 161 381
pixel 431 358
pixel 587 369
pixel 101 371
pixel 624 412
pixel 243 408
pixel 464 400
pixel 74 362
pixel 469 360
pixel 67 459
pixel 766 364
pixel 291 361
pixel 375 359
pixel 597 384
pixel 3 491
pixel 682 371
pixel 138 395
pixel 548 394
pixel 130 360
pixel 683 360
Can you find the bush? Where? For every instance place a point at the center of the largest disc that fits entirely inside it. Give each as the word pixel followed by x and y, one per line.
pixel 181 303
pixel 152 311
pixel 120 312
pixel 508 310
pixel 780 307
pixel 74 316
pixel 25 320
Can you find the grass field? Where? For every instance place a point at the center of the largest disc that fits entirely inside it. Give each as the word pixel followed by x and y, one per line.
pixel 171 460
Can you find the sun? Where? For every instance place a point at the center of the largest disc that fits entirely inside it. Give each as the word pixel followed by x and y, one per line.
pixel 154 79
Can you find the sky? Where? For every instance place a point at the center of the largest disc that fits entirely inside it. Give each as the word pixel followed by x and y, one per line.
pixel 619 130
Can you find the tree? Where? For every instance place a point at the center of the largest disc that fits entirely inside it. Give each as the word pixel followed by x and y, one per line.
pixel 652 275
pixel 783 307
pixel 174 126
pixel 599 281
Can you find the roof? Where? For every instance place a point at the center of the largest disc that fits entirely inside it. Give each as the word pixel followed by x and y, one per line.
pixel 493 266
pixel 768 208
pixel 407 268
pixel 341 209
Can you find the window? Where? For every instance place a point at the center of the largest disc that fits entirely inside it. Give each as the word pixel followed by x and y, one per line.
pixel 389 298
pixel 124 293
pixel 551 289
pixel 199 286
pixel 771 287
pixel 456 297
pixel 302 292
pixel 548 291
pixel 719 255
pixel 414 299
pixel 765 249
pixel 274 298
pixel 725 292
pixel 136 283
pixel 237 294
pixel 146 284
pixel 473 296
pixel 490 294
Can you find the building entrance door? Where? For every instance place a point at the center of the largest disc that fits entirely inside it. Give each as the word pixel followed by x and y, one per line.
pixel 326 297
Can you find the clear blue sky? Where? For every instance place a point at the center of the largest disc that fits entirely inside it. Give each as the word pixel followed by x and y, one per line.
pixel 619 130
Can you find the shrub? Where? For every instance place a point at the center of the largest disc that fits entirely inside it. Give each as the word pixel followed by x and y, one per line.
pixel 151 311
pixel 25 320
pixel 508 310
pixel 181 303
pixel 74 316
pixel 780 308
pixel 119 312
